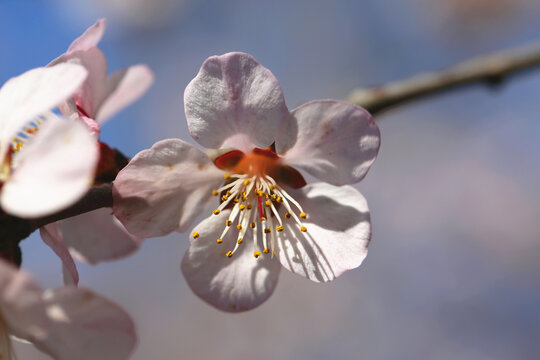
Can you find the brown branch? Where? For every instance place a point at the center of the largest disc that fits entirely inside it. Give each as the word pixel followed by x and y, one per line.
pixel 488 69
pixel 14 229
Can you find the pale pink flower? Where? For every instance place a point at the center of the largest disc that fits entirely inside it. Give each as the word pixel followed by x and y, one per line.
pixel 100 97
pixel 66 323
pixel 266 218
pixel 46 162
pixel 96 236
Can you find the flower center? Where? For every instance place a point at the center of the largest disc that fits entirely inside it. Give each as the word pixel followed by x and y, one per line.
pixel 254 190
pixel 8 163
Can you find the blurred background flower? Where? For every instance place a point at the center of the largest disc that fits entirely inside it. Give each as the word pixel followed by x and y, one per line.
pixel 452 268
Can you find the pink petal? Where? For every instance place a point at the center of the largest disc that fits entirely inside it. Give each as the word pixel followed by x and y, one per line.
pixel 336 142
pixel 97 236
pixel 92 93
pixel 337 237
pixel 122 88
pixel 164 188
pixel 233 284
pixel 50 236
pixel 32 93
pixel 54 170
pixel 86 326
pixel 21 305
pixel 90 38
pixel 234 102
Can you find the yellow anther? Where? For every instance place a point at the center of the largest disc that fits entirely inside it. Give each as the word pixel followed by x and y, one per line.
pixel 242 207
pixel 240 240
pixel 216 212
pixel 279 199
pixel 244 197
pixel 273 252
pixel 14 139
pixel 288 215
pixel 215 192
pixel 228 193
pixel 229 254
pixel 195 235
pixel 246 182
pixel 249 206
pixel 224 198
pixel 239 227
pixel 219 241
pixel 227 176
pixel 236 200
pixel 279 228
pixel 303 215
pixel 257 254
pixel 303 229
pixel 259 192
pixel 252 225
pixel 272 187
pixel 228 222
pixel 266 250
pixel 267 230
pixel 267 203
pixel 273 197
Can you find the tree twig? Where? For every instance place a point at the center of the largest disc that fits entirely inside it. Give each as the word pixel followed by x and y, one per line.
pixel 489 69
pixel 14 229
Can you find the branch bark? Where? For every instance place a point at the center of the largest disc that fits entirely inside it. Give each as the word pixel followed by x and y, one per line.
pixel 14 229
pixel 490 70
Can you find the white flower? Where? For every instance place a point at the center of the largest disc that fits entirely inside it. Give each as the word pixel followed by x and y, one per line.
pixel 46 162
pixel 265 216
pixel 66 323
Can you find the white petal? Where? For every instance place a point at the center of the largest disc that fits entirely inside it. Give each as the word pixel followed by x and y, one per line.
pixel 50 236
pixel 32 93
pixel 20 304
pixel 55 169
pixel 234 102
pixel 164 188
pixel 338 233
pixel 336 142
pixel 97 236
pixel 123 88
pixel 90 38
pixel 86 326
pixel 234 284
pixel 92 92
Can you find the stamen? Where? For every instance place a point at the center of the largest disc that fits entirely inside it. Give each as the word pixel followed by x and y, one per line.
pixel 303 229
pixel 216 212
pixel 256 254
pixel 215 192
pixel 229 254
pixel 219 241
pixel 196 235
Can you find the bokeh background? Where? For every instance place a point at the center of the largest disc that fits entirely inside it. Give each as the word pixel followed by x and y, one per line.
pixel 453 269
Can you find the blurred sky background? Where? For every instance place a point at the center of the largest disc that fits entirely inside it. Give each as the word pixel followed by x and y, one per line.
pixel 453 269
